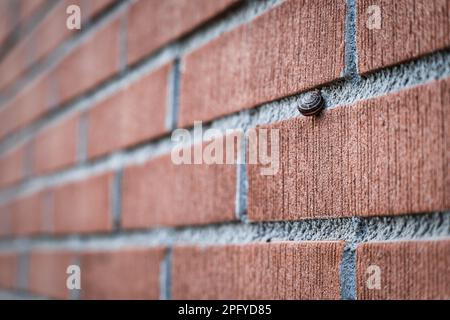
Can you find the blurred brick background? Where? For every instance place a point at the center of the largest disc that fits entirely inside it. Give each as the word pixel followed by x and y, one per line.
pixel 86 176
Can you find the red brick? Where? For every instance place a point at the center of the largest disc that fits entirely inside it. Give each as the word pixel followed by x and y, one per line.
pixel 152 24
pixel 408 30
pixel 27 215
pixel 5 220
pixel 92 62
pixel 160 193
pixel 52 31
pixel 285 270
pixel 29 8
pixel 124 274
pixel 47 273
pixel 124 118
pixel 6 20
pixel 295 46
pixel 408 270
pixel 55 148
pixel 8 270
pixel 95 7
pixel 84 206
pixel 14 64
pixel 12 166
pixel 26 107
pixel 383 156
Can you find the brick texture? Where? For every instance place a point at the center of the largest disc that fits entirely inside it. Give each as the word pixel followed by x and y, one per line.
pixel 27 214
pixel 5 220
pixel 8 270
pixel 160 193
pixel 6 20
pixel 12 166
pixel 55 148
pixel 47 273
pixel 89 64
pixel 408 30
pixel 31 103
pixel 29 8
pixel 286 270
pixel 294 47
pixel 130 116
pixel 52 31
pixel 84 206
pixel 123 274
pixel 408 270
pixel 14 64
pixel 152 24
pixel 383 156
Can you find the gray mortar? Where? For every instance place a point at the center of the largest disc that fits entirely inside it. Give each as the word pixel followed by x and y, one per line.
pixel 352 230
pixel 426 69
pixel 165 276
pixel 350 89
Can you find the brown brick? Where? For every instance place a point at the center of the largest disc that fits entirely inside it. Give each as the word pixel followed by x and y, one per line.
pixel 12 165
pixel 383 156
pixel 8 270
pixel 124 274
pixel 47 273
pixel 408 30
pixel 408 270
pixel 285 270
pixel 84 206
pixel 152 24
pixel 55 148
pixel 130 116
pixel 295 46
pixel 27 215
pixel 92 62
pixel 160 193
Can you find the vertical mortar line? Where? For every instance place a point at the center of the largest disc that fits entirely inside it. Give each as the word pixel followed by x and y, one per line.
pixel 347 268
pixel 75 294
pixel 28 161
pixel 347 272
pixel 165 276
pixel 53 92
pixel 351 51
pixel 22 274
pixel 123 42
pixel 173 96
pixel 83 127
pixel 116 199
pixel 241 180
pixel 48 212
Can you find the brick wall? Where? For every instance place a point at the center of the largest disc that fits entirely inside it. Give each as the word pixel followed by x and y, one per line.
pixel 358 208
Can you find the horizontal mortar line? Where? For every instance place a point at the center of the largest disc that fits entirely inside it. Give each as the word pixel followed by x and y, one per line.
pixel 64 49
pixel 17 294
pixel 340 93
pixel 428 226
pixel 193 39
